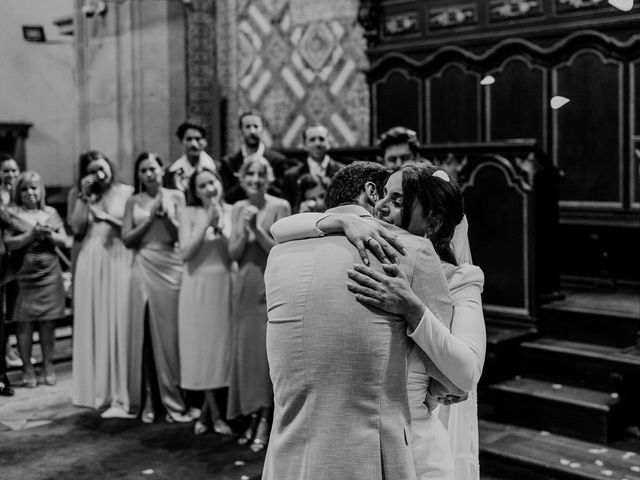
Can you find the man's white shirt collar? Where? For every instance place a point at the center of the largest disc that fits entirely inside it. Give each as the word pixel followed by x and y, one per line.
pixel 318 169
pixel 257 154
pixel 184 164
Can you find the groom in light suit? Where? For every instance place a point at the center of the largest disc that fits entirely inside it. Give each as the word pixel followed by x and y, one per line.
pixel 339 368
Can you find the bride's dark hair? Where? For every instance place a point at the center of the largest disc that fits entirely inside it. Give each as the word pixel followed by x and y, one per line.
pixel 441 201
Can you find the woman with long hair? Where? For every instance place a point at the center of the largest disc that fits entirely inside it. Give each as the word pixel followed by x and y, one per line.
pixel 204 313
pixel 35 233
pixel 425 201
pixel 150 228
pixel 251 392
pixel 101 292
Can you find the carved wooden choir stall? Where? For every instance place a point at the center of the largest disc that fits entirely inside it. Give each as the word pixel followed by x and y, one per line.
pixel 553 202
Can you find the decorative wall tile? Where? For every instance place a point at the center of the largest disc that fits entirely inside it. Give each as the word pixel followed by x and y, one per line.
pixel 450 17
pixel 500 10
pixel 300 72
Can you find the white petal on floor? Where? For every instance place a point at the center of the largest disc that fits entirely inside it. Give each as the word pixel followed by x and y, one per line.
pixel 558 102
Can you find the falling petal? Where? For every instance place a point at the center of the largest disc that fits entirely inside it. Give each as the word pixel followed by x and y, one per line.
pixel 598 450
pixel 238 463
pixel 556 386
pixel 559 102
pixel 635 468
pixel 608 473
pixel 488 80
pixel 544 433
pixel 615 395
pixel 564 461
pixel 148 471
pixel 628 455
pixel 600 463
pixel 624 5
pixel 244 477
pixel 574 465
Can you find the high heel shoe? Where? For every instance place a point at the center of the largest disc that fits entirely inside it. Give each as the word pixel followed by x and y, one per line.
pixel 248 433
pixel 262 436
pixel 148 416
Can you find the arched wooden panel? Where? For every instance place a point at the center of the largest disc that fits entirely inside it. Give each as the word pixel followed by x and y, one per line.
pixel 517 102
pixel 397 100
pixel 453 105
pixel 498 212
pixel 634 155
pixel 588 131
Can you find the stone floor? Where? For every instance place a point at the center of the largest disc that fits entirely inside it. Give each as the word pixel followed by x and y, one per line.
pixel 43 436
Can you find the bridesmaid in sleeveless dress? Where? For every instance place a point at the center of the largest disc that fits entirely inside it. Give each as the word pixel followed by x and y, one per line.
pixel 101 293
pixel 150 228
pixel 205 297
pixel 251 392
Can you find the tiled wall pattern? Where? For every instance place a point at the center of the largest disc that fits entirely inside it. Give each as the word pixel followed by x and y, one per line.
pixel 299 73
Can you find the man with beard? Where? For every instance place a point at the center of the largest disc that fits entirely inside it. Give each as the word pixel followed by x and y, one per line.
pixel 193 136
pixel 251 126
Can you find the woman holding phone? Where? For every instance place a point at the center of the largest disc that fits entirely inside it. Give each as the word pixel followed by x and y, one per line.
pixel 101 292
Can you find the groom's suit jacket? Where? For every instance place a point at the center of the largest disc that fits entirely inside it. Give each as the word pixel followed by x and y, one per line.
pixel 339 368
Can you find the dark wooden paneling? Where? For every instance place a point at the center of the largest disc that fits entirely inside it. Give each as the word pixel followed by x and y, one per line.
pixel 518 102
pixel 454 106
pixel 497 236
pixel 398 101
pixel 588 128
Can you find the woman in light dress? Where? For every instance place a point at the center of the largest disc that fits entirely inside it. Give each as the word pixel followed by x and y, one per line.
pixel 150 228
pixel 450 451
pixel 101 292
pixel 250 391
pixel 36 231
pixel 205 297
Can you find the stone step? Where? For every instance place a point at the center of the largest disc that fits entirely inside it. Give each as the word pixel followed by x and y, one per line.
pixel 567 410
pixel 597 317
pixel 509 452
pixel 595 366
pixel 503 340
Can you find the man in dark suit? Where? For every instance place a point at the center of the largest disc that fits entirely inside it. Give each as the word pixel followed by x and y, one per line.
pixel 251 126
pixel 316 142
pixel 193 137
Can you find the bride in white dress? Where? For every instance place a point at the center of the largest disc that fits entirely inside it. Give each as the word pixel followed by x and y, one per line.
pixel 449 451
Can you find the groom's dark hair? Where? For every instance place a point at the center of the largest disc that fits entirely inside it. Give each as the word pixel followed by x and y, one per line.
pixel 347 185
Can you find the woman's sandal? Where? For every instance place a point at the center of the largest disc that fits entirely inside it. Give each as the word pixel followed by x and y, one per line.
pixel 248 433
pixel 29 382
pixel 262 436
pixel 221 427
pixel 200 428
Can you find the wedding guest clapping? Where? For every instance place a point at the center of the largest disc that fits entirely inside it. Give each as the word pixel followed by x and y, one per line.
pixel 205 296
pixel 36 230
pixel 150 228
pixel 251 391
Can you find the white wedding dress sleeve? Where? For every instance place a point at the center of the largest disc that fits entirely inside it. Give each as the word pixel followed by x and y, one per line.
pixel 459 354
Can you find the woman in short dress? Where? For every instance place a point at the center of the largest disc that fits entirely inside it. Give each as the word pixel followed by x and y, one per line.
pixel 205 297
pixel 35 232
pixel 251 392
pixel 101 292
pixel 150 228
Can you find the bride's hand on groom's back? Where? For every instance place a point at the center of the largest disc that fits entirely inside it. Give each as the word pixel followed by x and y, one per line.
pixel 368 235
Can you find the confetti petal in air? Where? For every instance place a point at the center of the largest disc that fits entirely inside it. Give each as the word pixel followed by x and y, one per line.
pixel 148 471
pixel 628 455
pixel 600 463
pixel 559 102
pixel 488 80
pixel 624 5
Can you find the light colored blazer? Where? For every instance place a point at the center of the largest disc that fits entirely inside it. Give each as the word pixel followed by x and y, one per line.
pixel 339 368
